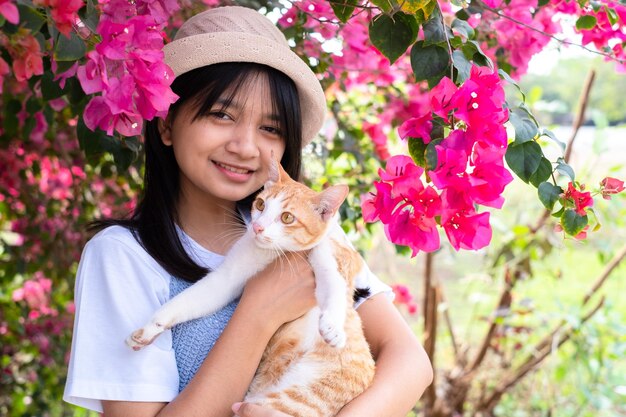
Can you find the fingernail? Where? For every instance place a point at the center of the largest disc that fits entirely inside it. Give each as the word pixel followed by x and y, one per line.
pixel 235 407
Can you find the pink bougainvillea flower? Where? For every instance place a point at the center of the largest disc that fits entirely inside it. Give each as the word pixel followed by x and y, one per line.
pixel 441 97
pixel 63 12
pixel 488 182
pixel 466 229
pixel 403 296
pixel 380 205
pixel 63 76
pixel 379 138
pixel 10 12
pixel 160 10
pixel 403 174
pixel 581 199
pixel 413 229
pixel 27 57
pixel 417 127
pixel 451 168
pixel 610 186
pixel 153 97
pixel 93 75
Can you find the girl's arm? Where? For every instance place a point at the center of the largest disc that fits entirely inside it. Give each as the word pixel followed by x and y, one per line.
pixel 403 370
pixel 277 295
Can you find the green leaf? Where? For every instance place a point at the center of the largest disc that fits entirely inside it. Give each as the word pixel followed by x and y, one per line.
pixel 524 159
pixel 572 222
pixel 50 89
pixel 565 169
pixel 385 5
pixel 464 28
pixel 71 49
pixel 551 135
pixel 428 61
pixel 542 173
pixel 417 150
pixel 89 16
pixel 11 123
pixel 30 17
pixel 343 8
pixel 393 35
pixel 586 22
pixel 434 29
pixel 431 154
pixel 525 129
pixel 549 194
pixel 510 80
pixel 612 15
pixel 473 51
pixel 462 65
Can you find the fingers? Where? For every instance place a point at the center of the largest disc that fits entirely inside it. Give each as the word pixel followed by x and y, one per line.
pixel 254 410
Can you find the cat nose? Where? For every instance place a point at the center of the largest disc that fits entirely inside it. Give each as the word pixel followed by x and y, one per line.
pixel 257 228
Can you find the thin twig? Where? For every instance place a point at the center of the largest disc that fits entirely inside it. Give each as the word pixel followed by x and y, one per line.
pixel 580 114
pixel 446 316
pixel 531 364
pixel 613 263
pixel 534 29
pixel 504 302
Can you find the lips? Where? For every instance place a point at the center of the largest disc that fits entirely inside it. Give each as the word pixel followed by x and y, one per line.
pixel 234 169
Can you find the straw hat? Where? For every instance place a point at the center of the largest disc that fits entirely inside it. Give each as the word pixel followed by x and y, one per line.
pixel 239 34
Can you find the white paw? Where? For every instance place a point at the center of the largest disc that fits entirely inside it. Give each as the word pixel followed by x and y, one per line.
pixel 143 337
pixel 331 329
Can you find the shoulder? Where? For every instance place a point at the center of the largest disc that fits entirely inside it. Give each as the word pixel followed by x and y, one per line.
pixel 114 252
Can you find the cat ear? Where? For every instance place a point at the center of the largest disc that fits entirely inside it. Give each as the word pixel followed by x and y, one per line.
pixel 275 173
pixel 330 200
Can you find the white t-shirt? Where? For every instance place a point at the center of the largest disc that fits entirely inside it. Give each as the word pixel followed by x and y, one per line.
pixel 118 288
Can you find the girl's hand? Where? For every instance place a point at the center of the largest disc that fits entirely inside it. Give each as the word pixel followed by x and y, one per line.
pixel 284 291
pixel 253 410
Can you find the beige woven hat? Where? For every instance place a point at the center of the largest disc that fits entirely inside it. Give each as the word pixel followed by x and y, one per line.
pixel 239 34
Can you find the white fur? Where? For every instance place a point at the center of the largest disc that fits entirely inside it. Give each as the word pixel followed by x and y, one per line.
pixel 226 282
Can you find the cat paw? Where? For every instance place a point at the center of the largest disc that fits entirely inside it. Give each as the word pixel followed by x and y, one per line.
pixel 143 337
pixel 332 331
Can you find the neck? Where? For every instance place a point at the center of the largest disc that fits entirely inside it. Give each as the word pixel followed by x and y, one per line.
pixel 212 224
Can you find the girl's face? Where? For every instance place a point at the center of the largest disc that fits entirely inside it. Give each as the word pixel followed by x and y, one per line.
pixel 225 156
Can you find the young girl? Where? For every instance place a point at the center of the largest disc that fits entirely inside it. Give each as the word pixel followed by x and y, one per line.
pixel 244 95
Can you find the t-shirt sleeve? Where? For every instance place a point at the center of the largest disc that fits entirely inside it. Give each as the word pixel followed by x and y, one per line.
pixel 118 288
pixel 367 279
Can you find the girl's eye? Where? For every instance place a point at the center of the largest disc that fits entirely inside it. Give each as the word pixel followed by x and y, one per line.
pixel 220 115
pixel 272 130
pixel 259 204
pixel 287 218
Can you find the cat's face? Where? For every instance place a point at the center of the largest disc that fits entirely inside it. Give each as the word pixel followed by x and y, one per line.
pixel 289 216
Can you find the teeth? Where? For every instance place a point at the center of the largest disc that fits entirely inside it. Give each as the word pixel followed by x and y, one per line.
pixel 233 169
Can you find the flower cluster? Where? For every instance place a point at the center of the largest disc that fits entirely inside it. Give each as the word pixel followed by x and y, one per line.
pixel 127 67
pixel 469 169
pixel 63 12
pixel 36 293
pixel 403 296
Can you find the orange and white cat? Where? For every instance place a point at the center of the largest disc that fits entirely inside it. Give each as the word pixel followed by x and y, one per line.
pixel 316 364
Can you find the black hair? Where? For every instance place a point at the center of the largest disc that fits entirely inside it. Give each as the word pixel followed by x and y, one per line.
pixel 153 222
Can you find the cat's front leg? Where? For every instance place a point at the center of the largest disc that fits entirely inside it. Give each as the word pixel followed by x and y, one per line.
pixel 208 295
pixel 330 293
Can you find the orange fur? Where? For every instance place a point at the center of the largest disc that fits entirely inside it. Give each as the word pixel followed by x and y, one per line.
pixel 340 374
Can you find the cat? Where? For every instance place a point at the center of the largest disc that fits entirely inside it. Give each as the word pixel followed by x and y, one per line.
pixel 313 365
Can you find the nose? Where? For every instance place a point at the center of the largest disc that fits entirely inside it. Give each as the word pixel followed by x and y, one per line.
pixel 244 141
pixel 257 228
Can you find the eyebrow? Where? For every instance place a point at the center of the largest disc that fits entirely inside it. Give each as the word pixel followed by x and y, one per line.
pixel 226 104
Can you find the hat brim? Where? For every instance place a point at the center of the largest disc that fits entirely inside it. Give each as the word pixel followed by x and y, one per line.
pixel 191 52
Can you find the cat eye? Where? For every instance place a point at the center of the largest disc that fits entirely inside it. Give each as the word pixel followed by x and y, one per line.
pixel 287 218
pixel 259 204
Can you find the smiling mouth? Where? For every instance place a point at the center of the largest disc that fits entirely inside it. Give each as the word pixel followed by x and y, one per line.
pixel 233 169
